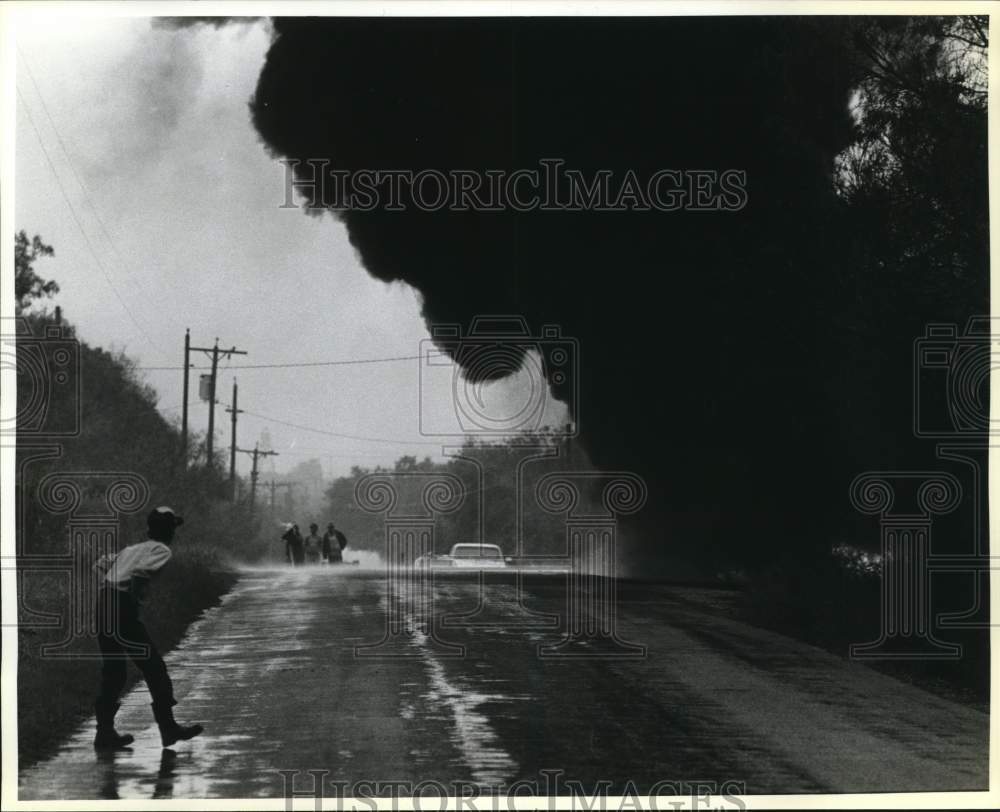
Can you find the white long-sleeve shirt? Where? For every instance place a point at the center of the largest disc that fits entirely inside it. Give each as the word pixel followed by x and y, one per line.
pixel 131 569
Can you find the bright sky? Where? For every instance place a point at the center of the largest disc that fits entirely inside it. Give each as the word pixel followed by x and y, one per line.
pixel 136 160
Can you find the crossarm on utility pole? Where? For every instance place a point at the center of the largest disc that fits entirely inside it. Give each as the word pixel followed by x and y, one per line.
pixel 215 353
pixel 255 453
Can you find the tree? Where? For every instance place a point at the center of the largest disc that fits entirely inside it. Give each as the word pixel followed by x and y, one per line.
pixel 28 285
pixel 914 188
pixel 915 177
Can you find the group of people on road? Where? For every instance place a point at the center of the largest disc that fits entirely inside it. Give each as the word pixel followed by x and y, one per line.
pixel 314 549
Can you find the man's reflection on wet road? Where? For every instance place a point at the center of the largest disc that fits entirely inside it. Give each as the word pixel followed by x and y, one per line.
pixel 117 765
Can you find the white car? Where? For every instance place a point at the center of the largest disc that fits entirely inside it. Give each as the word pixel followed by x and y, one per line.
pixel 467 556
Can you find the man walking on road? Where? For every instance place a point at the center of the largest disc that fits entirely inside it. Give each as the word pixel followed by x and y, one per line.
pixel 287 538
pixel 313 544
pixel 293 546
pixel 121 634
pixel 334 543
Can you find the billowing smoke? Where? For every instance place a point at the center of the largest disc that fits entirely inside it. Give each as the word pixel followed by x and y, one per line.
pixel 193 22
pixel 702 333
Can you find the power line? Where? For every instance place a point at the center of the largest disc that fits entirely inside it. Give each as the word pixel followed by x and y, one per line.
pixel 319 453
pixel 347 362
pixel 329 433
pixel 79 224
pixel 338 434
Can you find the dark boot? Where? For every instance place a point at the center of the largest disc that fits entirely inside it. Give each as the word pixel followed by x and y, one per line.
pixel 107 737
pixel 170 731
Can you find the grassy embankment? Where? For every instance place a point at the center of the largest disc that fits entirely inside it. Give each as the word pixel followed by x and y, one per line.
pixel 121 434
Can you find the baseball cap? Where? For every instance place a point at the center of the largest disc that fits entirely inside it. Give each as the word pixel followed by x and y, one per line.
pixel 164 517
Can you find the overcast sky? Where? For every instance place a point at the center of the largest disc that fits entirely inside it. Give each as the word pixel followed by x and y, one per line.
pixel 136 160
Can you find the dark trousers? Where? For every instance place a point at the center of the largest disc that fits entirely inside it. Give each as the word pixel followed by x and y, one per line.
pixel 121 635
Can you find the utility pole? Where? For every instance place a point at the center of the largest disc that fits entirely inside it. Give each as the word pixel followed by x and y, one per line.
pixel 215 354
pixel 184 418
pixel 232 445
pixel 253 471
pixel 210 440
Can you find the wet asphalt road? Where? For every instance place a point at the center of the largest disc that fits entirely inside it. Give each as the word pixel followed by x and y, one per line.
pixel 276 676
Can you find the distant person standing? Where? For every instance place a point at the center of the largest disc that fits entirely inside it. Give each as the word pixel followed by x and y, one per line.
pixel 313 545
pixel 334 543
pixel 121 633
pixel 293 546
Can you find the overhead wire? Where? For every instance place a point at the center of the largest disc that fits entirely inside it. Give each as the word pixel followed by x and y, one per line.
pixel 342 435
pixel 294 364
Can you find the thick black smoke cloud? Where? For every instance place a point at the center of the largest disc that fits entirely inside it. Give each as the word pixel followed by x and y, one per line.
pixel 702 333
